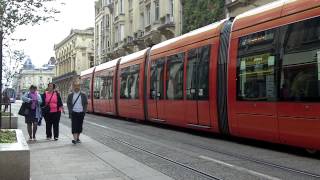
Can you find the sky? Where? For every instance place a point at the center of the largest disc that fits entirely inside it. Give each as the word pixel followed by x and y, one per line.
pixel 40 39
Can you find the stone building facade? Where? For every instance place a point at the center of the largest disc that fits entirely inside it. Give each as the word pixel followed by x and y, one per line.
pixel 31 75
pixel 126 26
pixel 73 55
pixel 236 7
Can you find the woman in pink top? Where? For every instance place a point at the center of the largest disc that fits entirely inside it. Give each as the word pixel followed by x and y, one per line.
pixel 53 99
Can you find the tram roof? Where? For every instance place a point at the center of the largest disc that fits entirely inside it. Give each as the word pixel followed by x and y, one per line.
pixel 200 34
pixel 107 65
pixel 133 56
pixel 87 71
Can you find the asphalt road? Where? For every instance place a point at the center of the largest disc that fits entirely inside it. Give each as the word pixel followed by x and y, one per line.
pixel 187 154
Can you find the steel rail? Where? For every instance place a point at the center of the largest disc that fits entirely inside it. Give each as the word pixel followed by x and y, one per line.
pixel 164 158
pixel 258 161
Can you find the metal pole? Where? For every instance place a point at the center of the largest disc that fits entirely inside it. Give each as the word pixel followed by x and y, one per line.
pixel 1 45
pixel 10 113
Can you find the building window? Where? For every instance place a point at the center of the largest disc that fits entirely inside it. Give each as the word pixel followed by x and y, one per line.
pixel 131 27
pixel 121 32
pixel 171 7
pixel 256 67
pixel 141 21
pixel 148 14
pixel 116 9
pixel 121 7
pixel 130 4
pixel 116 34
pixel 107 21
pixel 157 10
pixel 300 71
pixel 91 61
pixel 175 77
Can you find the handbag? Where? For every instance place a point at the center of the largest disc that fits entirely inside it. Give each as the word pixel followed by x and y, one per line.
pixel 46 108
pixel 24 109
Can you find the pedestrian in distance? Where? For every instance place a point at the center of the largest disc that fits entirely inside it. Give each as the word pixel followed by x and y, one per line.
pixel 34 116
pixel 77 105
pixel 5 100
pixel 52 99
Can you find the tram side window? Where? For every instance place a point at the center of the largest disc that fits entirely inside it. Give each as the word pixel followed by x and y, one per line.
pixel 256 67
pixel 129 88
pixel 160 78
pixel 156 79
pixel 198 73
pixel 103 88
pixel 175 76
pixel 204 56
pixel 85 87
pixel 300 75
pixel 191 74
pixel 133 82
pixel 96 88
pixel 123 83
pixel 153 80
pixel 110 87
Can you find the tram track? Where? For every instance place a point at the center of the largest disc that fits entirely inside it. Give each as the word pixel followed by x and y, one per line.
pixel 234 155
pixel 204 174
pixel 258 161
pixel 211 149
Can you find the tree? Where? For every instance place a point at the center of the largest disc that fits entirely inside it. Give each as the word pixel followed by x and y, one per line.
pixel 12 61
pixel 14 13
pixel 199 13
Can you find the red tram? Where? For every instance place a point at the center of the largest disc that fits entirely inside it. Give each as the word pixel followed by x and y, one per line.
pixel 256 75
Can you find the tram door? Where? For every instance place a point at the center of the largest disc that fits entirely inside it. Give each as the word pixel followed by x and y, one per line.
pixel 298 109
pixel 197 87
pixel 156 103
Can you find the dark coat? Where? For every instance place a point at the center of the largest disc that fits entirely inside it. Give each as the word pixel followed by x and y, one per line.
pixel 84 101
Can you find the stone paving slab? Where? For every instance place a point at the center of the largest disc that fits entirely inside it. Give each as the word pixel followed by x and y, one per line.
pixel 52 160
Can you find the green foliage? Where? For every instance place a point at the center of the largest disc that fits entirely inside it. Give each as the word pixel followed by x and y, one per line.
pixel 199 13
pixel 5 114
pixel 7 136
pixel 15 13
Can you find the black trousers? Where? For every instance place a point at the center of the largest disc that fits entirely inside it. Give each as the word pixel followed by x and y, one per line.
pixel 77 122
pixel 52 119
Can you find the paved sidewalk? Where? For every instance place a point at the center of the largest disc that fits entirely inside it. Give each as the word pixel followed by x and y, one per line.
pixel 89 160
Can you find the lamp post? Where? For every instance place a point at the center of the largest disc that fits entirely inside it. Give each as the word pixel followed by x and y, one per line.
pixel 1 43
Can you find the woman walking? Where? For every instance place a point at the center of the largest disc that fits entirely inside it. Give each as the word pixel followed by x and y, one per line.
pixel 34 116
pixel 52 99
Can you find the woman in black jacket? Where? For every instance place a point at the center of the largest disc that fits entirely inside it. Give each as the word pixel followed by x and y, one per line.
pixel 52 99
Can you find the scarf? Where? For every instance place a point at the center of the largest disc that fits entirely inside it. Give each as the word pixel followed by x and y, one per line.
pixel 34 99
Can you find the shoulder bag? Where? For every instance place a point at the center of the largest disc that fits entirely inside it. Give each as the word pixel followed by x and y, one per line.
pixel 24 109
pixel 46 108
